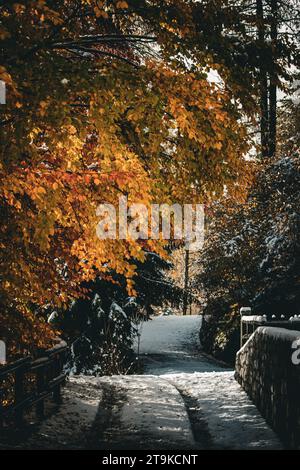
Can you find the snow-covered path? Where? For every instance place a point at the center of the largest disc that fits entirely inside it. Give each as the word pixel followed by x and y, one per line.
pixel 170 344
pixel 220 413
pixel 184 400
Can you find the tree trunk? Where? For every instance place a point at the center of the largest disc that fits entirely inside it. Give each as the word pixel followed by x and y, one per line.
pixel 186 282
pixel 273 79
pixel 264 120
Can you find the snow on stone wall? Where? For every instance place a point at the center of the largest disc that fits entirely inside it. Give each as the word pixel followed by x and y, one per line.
pixel 268 368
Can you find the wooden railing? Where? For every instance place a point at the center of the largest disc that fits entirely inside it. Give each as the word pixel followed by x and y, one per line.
pixel 26 383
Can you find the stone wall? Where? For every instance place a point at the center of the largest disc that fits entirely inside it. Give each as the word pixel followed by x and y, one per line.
pixel 265 370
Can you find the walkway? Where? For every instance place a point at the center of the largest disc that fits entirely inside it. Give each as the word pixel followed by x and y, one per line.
pixel 184 400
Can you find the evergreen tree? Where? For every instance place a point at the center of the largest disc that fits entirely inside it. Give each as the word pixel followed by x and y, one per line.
pixel 103 327
pixel 251 257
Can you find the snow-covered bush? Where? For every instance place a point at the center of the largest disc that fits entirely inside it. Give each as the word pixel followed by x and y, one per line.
pixel 252 256
pixel 102 327
pixel 101 340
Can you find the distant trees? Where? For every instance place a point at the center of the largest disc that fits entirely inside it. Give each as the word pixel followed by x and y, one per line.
pixel 277 23
pixel 256 46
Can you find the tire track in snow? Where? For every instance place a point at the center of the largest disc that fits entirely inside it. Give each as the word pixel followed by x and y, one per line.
pixel 199 426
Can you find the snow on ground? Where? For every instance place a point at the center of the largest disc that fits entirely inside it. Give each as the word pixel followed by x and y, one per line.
pixel 233 421
pixel 170 344
pixel 215 402
pixel 153 415
pixel 66 427
pixel 185 400
pixel 170 335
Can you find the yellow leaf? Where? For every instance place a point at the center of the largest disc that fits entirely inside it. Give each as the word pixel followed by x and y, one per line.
pixel 100 13
pixel 41 190
pixel 122 4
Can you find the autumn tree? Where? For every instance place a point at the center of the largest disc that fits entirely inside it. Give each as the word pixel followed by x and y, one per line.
pixel 101 103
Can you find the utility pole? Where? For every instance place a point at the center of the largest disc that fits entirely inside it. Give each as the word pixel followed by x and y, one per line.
pixel 186 281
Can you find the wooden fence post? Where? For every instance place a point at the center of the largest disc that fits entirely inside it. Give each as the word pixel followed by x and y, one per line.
pixel 49 377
